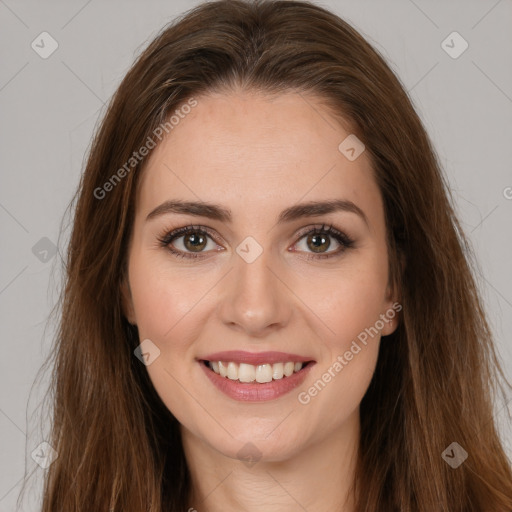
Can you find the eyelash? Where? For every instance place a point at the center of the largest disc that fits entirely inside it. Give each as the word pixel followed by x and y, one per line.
pixel 167 237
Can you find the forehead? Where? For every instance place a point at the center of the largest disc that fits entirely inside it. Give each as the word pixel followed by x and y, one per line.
pixel 249 149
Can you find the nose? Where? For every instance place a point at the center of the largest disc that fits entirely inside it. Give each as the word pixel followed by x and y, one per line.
pixel 255 299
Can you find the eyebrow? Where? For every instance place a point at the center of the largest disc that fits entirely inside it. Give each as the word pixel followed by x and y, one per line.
pixel 220 213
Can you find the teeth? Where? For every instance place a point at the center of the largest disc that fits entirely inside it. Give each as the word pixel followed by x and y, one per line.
pixel 261 373
pixel 223 369
pixel 264 373
pixel 232 371
pixel 288 369
pixel 246 372
pixel 278 371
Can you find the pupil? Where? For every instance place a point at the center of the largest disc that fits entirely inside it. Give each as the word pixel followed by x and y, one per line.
pixel 323 242
pixel 197 241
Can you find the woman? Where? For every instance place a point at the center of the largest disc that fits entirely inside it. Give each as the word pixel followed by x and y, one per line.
pixel 269 303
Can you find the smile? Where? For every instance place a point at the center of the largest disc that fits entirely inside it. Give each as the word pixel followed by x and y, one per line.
pixel 255 377
pixel 261 373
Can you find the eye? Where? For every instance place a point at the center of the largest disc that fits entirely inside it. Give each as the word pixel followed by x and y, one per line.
pixel 318 240
pixel 193 241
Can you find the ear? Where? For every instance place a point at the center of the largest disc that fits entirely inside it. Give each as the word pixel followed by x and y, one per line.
pixel 127 302
pixel 392 307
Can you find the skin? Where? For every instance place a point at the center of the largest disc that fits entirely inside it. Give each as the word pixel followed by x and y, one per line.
pixel 258 155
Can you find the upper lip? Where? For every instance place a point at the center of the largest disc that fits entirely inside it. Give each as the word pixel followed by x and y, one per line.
pixel 255 358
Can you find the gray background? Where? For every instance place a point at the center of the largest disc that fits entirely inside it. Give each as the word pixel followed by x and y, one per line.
pixel 49 108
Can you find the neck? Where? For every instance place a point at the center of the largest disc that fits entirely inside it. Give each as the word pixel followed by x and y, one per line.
pixel 318 476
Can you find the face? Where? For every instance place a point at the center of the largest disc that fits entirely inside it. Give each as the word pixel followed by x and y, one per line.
pixel 259 275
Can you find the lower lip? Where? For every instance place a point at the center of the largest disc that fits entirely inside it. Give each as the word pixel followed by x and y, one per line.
pixel 255 392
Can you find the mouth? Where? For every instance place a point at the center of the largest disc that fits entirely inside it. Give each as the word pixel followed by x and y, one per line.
pixel 251 377
pixel 245 373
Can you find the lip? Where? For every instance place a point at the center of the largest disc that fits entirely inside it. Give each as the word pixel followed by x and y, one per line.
pixel 255 358
pixel 256 392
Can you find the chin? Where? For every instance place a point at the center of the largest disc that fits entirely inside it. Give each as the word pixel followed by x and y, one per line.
pixel 253 444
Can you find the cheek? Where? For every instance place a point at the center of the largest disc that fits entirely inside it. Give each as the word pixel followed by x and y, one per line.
pixel 168 308
pixel 352 312
pixel 164 301
pixel 349 311
pixel 348 304
pixel 352 347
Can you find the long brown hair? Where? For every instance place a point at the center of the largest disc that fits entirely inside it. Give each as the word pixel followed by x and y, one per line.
pixel 437 375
